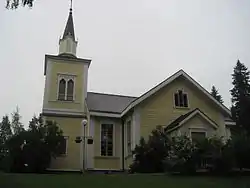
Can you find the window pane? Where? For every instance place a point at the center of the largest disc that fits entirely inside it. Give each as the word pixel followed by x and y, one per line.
pixel 106 139
pixel 70 90
pixel 62 146
pixel 62 88
pixel 181 98
pixel 185 100
pixel 129 137
pixel 198 136
pixel 176 99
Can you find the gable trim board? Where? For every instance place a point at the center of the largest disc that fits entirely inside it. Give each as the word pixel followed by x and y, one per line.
pixel 63 113
pixel 186 117
pixel 105 114
pixel 168 81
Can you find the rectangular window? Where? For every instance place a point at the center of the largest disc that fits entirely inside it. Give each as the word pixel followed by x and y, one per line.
pixel 62 148
pixel 129 145
pixel 198 136
pixel 107 140
pixel 185 101
pixel 176 99
pixel 180 99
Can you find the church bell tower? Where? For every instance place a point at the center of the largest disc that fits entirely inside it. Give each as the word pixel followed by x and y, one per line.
pixel 65 93
pixel 68 43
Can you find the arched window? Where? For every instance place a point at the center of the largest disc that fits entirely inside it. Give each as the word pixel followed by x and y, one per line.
pixel 62 89
pixel 70 90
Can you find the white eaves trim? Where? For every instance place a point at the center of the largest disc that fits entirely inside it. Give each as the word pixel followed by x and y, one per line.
pixel 61 111
pixel 105 114
pixel 168 81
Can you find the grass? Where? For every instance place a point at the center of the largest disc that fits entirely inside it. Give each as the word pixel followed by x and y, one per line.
pixel 117 181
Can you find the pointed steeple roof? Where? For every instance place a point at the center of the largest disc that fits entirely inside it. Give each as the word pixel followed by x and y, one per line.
pixel 69 29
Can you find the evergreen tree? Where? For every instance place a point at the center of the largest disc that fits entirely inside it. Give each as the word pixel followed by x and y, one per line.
pixel 5 134
pixel 241 96
pixel 5 129
pixel 216 95
pixel 16 124
pixel 14 4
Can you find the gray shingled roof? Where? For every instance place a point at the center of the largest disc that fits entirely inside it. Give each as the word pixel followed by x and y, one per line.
pixel 100 102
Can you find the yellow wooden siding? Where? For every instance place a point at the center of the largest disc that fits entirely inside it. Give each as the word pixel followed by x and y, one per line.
pixel 106 162
pixel 159 109
pixel 68 68
pixel 128 161
pixel 71 128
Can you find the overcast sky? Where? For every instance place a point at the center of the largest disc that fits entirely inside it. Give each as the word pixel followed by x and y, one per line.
pixel 133 44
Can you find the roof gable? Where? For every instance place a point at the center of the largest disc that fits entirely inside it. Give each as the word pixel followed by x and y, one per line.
pixel 167 82
pixel 184 118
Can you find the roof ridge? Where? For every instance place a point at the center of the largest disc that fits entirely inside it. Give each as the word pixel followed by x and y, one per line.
pixel 111 94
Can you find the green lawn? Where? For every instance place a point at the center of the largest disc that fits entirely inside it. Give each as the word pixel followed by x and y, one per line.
pixel 117 181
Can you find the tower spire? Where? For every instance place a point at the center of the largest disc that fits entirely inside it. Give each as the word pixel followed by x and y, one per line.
pixel 69 29
pixel 68 43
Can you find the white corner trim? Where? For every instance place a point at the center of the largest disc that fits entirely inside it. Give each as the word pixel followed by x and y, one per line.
pixel 85 80
pixel 90 148
pixel 168 81
pixel 104 114
pixel 46 95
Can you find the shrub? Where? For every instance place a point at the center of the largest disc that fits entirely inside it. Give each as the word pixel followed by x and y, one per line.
pixel 150 155
pixel 31 150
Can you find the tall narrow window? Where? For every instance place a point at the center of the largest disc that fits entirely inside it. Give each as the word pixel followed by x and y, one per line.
pixel 129 149
pixel 185 100
pixel 176 99
pixel 107 140
pixel 180 99
pixel 62 88
pixel 70 90
pixel 62 149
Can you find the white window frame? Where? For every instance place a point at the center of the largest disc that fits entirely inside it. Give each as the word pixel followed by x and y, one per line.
pixel 66 77
pixel 127 149
pixel 197 130
pixel 183 92
pixel 113 141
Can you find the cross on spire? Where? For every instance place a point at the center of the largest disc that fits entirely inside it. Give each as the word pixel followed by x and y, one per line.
pixel 69 29
pixel 71 5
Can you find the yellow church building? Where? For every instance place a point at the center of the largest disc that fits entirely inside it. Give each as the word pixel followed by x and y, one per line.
pixel 109 125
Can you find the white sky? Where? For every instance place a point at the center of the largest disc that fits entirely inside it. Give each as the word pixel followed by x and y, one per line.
pixel 134 45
